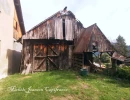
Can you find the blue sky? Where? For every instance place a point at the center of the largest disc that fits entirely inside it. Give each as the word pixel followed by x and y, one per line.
pixel 112 16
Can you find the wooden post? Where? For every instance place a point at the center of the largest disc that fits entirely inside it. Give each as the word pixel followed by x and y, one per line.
pixel 112 60
pixel 114 63
pixel 70 55
pixel 100 58
pixel 31 56
pixel 60 63
pixel 47 59
pixel 83 59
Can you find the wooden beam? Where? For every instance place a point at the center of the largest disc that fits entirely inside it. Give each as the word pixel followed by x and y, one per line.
pixel 38 53
pixel 40 56
pixel 52 49
pixel 52 62
pixel 52 56
pixel 40 64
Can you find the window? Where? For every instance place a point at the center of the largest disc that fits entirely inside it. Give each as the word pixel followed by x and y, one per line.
pixel 15 24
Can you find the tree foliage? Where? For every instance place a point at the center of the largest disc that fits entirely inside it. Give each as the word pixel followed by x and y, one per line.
pixel 121 46
pixel 105 58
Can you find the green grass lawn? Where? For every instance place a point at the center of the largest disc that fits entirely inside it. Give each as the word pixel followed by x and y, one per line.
pixel 63 85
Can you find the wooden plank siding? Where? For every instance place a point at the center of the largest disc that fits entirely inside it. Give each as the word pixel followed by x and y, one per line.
pixel 103 43
pixel 47 54
pixel 52 28
pixel 51 42
pixel 93 36
pixel 78 61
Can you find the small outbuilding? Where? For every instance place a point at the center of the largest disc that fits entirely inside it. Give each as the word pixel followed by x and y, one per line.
pixel 92 41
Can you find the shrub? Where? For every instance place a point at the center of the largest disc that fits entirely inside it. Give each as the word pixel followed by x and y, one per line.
pixel 123 72
pixel 105 58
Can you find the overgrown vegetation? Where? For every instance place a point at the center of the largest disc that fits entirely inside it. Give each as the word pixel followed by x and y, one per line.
pixel 91 87
pixel 123 73
pixel 105 58
pixel 120 72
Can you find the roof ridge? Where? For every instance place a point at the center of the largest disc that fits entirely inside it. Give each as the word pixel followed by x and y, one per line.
pixel 48 19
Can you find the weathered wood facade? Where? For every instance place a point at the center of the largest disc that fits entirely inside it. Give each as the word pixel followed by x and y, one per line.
pixel 62 25
pixel 61 41
pixel 49 45
pixel 91 40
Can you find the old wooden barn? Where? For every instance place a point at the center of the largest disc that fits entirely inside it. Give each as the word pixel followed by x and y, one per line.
pixel 61 42
pixel 49 45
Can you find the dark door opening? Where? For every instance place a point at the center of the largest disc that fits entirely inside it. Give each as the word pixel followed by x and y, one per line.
pixel 88 58
pixel 63 24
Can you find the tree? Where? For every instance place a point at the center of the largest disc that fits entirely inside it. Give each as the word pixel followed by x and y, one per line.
pixel 121 46
pixel 105 58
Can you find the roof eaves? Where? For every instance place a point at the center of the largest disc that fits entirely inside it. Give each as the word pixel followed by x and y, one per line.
pixel 17 5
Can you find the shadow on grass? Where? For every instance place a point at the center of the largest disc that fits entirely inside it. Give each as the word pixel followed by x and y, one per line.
pixel 101 77
pixel 119 82
pixel 113 80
